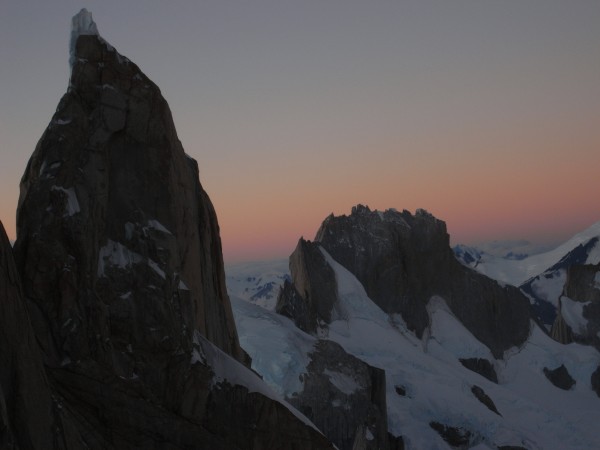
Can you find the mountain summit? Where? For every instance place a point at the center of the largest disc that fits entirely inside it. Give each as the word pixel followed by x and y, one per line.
pixel 119 253
pixel 403 260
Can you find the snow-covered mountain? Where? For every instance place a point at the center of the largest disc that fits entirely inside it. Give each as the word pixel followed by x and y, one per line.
pixel 257 282
pixel 517 270
pixel 426 383
pixel 440 385
pixel 541 276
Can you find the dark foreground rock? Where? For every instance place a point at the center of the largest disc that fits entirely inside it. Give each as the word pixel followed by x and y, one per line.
pixel 119 252
pixel 26 405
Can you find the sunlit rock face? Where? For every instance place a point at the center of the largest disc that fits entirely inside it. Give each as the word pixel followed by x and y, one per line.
pixel 119 252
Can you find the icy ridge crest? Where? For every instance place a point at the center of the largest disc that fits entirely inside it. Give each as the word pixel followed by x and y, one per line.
pixel 82 24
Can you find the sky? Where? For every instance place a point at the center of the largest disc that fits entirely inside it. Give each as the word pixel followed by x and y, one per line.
pixel 485 113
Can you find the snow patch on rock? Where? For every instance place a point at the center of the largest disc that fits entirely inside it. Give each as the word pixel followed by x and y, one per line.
pixel 72 206
pixel 572 312
pixel 448 335
pixel 116 254
pixel 343 382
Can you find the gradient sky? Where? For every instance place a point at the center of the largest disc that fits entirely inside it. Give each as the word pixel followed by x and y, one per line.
pixel 485 113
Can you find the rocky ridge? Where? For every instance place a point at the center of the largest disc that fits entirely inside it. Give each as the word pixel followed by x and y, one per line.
pixel 403 260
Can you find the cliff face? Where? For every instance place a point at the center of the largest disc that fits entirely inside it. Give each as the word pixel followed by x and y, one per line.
pixel 310 300
pixel 25 399
pixel 345 398
pixel 119 252
pixel 118 243
pixel 403 260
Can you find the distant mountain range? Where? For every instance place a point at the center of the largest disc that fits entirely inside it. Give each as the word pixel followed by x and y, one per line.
pixel 542 275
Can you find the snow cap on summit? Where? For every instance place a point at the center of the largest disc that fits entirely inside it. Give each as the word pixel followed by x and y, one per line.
pixel 81 24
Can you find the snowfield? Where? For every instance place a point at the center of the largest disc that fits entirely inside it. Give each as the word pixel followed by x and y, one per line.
pixel 534 413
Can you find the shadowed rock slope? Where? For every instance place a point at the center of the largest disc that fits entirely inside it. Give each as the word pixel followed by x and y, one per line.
pixel 119 253
pixel 403 260
pixel 25 399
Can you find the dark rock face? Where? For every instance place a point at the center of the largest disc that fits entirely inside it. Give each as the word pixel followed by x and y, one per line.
pixel 560 377
pixel 484 398
pixel 481 366
pixel 583 285
pixel 119 252
pixel 311 299
pixel 403 260
pixel 26 406
pixel 116 236
pixel 560 331
pixel 595 381
pixel 345 398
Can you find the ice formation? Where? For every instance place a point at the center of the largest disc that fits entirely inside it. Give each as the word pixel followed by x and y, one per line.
pixel 81 24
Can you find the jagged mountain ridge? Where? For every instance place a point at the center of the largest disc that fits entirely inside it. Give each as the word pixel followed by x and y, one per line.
pixel 403 260
pixel 543 276
pixel 119 252
pixel 518 271
pixel 429 387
